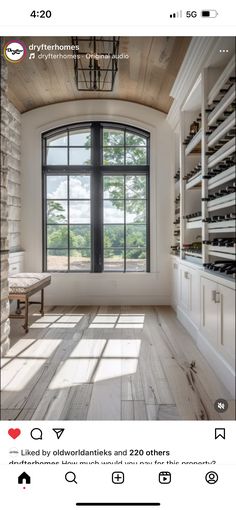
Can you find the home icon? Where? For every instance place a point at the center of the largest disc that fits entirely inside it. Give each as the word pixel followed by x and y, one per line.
pixel 23 478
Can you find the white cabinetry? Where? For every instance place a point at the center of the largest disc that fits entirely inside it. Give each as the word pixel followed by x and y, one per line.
pixel 189 299
pixel 227 323
pixel 175 282
pixel 209 310
pixel 218 317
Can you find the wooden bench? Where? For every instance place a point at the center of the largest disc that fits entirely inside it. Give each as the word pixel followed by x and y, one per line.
pixel 21 287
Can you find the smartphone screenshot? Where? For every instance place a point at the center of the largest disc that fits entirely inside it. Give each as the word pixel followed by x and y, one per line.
pixel 118 220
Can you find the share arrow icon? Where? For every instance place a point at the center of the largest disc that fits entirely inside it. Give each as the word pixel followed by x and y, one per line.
pixel 58 432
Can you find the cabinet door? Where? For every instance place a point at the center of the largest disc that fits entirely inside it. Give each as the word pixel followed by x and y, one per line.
pixel 175 283
pixel 194 311
pixel 209 310
pixel 185 288
pixel 227 323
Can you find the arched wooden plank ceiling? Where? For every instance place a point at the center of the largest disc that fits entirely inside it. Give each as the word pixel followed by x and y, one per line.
pixel 145 78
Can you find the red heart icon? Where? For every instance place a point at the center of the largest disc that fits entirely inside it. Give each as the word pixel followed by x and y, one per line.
pixel 14 433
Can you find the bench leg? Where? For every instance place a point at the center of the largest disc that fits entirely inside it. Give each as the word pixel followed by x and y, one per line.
pixel 18 308
pixel 26 323
pixel 42 302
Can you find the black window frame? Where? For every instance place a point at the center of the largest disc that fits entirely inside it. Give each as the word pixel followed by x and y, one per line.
pixel 96 170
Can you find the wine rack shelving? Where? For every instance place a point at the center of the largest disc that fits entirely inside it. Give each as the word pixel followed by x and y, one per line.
pixel 207 173
pixel 221 130
pixel 222 178
pixel 195 144
pixel 194 181
pixel 226 101
pixel 175 246
pixel 222 202
pixel 220 181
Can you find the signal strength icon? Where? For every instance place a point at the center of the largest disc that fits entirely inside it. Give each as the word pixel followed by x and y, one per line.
pixel 177 14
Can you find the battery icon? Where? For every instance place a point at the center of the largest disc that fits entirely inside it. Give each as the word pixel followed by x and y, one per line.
pixel 209 14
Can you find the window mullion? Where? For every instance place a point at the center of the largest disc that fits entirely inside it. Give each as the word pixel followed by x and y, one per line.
pixel 68 222
pixel 125 223
pixel 45 229
pixel 97 201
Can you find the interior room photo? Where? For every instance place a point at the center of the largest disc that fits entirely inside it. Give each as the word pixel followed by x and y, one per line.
pixel 118 228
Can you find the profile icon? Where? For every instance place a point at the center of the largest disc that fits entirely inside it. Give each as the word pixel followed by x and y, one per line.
pixel 15 51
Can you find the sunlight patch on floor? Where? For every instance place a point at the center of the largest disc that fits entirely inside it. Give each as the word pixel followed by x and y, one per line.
pixel 122 348
pixel 19 347
pixel 57 321
pixel 118 321
pixel 41 349
pixel 70 318
pixel 39 325
pixel 63 325
pixel 137 319
pixel 109 369
pixel 19 373
pixel 101 326
pixel 73 372
pixel 129 326
pixel 47 318
pixel 88 348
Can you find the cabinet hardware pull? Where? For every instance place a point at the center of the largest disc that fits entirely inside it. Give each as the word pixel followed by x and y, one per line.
pixel 213 296
pixel 186 275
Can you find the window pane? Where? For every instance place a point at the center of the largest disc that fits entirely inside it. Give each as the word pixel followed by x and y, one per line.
pixel 113 156
pixel 57 211
pixel 113 236
pixel 56 156
pixel 80 236
pixel 113 211
pixel 56 186
pixel 80 260
pixel 136 259
pixel 113 137
pixel 80 211
pixel 79 186
pixel 136 186
pixel 133 139
pixel 135 211
pixel 120 213
pixel 114 260
pixel 80 156
pixel 113 187
pixel 136 235
pixel 80 137
pixel 57 260
pixel 136 156
pixel 57 236
pixel 61 140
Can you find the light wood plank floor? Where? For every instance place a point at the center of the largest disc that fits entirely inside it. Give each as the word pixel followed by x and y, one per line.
pixel 107 363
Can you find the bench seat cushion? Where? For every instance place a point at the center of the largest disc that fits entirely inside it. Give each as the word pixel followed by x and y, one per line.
pixel 22 283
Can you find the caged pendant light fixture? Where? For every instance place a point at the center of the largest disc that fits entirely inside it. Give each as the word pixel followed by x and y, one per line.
pixel 95 62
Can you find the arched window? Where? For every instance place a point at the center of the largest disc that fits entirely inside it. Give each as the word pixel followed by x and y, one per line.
pixel 96 198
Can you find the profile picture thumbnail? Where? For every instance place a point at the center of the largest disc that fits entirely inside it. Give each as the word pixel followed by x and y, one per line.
pixel 15 51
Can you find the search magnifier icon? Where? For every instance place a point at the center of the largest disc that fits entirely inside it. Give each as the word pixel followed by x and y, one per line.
pixel 70 477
